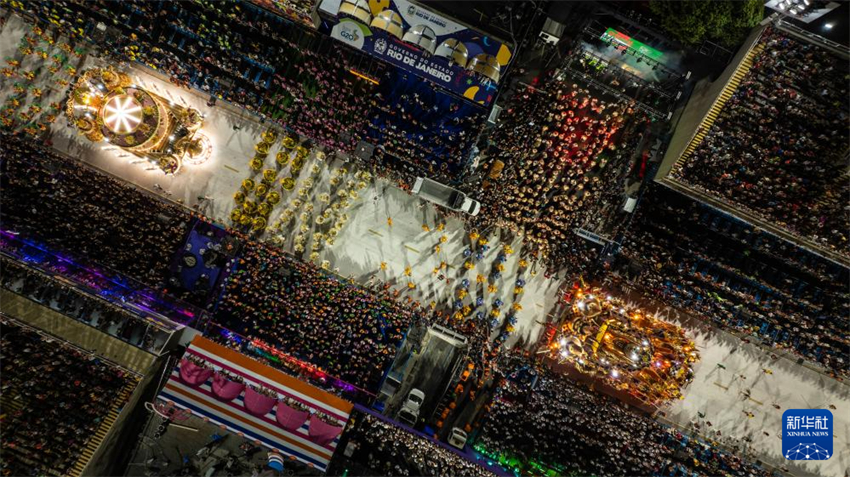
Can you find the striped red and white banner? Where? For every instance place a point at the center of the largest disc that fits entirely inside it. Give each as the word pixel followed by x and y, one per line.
pixel 270 422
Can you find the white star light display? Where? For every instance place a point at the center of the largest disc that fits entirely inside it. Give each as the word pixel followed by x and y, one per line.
pixel 122 114
pixel 807 452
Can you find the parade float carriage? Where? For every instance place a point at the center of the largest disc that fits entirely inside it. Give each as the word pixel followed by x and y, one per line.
pixel 631 350
pixel 105 105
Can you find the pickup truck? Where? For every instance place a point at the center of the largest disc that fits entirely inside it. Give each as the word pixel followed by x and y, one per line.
pixel 445 196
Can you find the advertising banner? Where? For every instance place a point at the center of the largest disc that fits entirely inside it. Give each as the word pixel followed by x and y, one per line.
pixel 462 60
pixel 629 42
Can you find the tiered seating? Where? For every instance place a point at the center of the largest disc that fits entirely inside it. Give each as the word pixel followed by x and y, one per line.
pixel 64 401
pixel 75 210
pixel 720 103
pixel 715 266
pixel 775 146
pixel 86 308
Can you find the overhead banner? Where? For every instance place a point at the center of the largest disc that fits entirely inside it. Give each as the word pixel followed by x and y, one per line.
pixel 457 58
pixel 290 417
pixel 632 44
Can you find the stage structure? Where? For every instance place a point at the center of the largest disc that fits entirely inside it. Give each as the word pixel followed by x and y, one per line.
pixel 290 417
pixel 105 105
pixel 632 351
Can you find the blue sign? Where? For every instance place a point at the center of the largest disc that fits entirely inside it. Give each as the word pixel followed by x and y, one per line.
pixel 807 434
pixel 422 42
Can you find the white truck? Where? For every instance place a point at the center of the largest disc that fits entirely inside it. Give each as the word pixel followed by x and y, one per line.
pixel 409 412
pixel 445 196
pixel 458 438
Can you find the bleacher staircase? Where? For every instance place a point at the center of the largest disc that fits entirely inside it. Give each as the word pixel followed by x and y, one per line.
pixel 104 428
pixel 714 113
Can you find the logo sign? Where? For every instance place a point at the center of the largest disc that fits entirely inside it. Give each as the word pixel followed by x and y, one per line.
pixel 432 63
pixel 349 32
pixel 807 434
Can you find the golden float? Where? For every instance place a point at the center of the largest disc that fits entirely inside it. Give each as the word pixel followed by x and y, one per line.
pixel 631 350
pixel 105 105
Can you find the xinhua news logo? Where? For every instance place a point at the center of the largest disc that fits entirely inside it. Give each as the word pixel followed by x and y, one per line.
pixel 807 434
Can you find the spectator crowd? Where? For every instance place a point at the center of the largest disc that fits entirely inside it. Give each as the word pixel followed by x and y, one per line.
pixel 778 148
pixel 381 448
pixel 348 331
pixel 554 422
pixel 54 398
pixel 76 210
pixel 690 256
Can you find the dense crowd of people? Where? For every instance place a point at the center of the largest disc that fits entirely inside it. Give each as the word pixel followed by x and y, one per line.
pixel 80 306
pixel 290 74
pixel 566 154
pixel 348 331
pixel 381 448
pixel 544 418
pixel 54 398
pixel 697 259
pixel 74 209
pixel 427 131
pixel 778 148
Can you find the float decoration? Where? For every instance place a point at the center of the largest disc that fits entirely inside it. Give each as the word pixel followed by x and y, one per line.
pixel 105 105
pixel 631 350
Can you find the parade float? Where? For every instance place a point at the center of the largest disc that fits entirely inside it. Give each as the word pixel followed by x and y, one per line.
pixel 105 105
pixel 633 351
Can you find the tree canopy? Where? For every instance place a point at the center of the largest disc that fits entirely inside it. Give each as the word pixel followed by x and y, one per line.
pixel 691 22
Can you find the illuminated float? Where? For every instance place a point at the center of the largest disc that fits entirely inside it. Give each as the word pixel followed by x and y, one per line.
pixel 105 105
pixel 631 350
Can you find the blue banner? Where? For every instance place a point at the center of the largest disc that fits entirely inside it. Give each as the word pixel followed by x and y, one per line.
pixel 459 59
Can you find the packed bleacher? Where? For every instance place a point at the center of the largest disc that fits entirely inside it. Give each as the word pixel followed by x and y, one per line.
pixel 346 330
pixel 566 154
pixel 76 210
pixel 551 423
pixel 427 132
pixel 381 448
pixel 779 147
pixel 120 227
pixel 695 258
pixel 54 399
pixel 292 75
pixel 80 306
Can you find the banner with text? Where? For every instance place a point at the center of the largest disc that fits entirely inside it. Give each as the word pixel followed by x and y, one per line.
pixel 427 48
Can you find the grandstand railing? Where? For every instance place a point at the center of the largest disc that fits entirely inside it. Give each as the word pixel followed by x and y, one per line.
pixel 825 43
